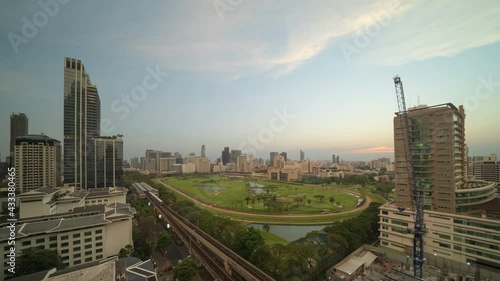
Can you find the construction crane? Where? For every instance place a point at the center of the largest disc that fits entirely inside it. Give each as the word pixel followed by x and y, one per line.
pixel 417 196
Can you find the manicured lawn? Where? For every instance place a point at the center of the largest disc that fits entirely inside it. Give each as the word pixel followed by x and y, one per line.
pixel 231 194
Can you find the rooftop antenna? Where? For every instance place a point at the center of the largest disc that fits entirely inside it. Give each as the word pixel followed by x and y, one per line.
pixel 418 100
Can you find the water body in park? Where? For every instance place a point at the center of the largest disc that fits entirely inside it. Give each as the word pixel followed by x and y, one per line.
pixel 211 188
pixel 290 232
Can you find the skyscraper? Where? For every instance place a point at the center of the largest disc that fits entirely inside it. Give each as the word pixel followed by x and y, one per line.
pixel 37 162
pixel 285 156
pixel 82 118
pixel 301 156
pixel 203 150
pixel 233 156
pixel 225 156
pixel 334 160
pixel 438 145
pixel 105 166
pixel 18 128
pixel 271 158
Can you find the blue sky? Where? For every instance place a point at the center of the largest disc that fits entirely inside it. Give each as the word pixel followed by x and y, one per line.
pixel 232 66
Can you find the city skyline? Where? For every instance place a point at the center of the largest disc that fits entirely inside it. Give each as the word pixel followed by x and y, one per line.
pixel 218 88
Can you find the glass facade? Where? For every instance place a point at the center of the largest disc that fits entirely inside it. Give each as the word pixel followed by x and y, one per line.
pixel 106 163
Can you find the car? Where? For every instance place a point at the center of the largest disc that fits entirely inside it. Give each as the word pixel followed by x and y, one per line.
pixel 168 267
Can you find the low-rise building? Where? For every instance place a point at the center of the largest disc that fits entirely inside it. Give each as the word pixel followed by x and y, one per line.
pixel 85 234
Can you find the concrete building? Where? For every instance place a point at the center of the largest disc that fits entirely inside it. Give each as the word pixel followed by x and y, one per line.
pixel 333 159
pixel 167 164
pixel 134 163
pixel 379 163
pixel 203 150
pixel 347 167
pixel 285 174
pixel 233 156
pixel 202 165
pixel 18 128
pixel 37 162
pixel 279 162
pixel 149 164
pixel 461 217
pixel 188 168
pixel 438 135
pixel 241 163
pixel 49 201
pixel 285 156
pixel 84 235
pixel 302 156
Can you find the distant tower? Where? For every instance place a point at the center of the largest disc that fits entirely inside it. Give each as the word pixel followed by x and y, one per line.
pixel 284 156
pixel 225 155
pixel 301 156
pixel 338 159
pixel 18 128
pixel 334 160
pixel 203 150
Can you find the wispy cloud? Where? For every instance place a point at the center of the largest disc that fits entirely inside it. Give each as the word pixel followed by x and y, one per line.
pixel 277 37
pixel 378 149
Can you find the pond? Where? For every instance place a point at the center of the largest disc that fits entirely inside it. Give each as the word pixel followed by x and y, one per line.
pixel 211 188
pixel 290 232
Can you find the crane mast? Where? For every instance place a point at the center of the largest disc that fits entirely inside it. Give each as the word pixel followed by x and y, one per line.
pixel 416 193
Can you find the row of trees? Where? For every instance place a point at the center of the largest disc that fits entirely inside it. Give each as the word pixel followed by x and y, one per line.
pixel 308 258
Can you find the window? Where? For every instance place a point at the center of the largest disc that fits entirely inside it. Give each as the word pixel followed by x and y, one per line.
pixel 76 249
pixel 88 246
pixel 53 245
pixel 88 259
pixel 77 262
pixel 98 251
pixel 98 257
pixel 88 240
pixel 65 244
pixel 98 244
pixel 98 238
pixel 76 235
pixel 87 233
pixel 41 240
pixel 77 255
pixel 26 243
pixel 99 231
pixel 65 237
pixel 88 253
pixel 53 238
pixel 65 251
pixel 76 242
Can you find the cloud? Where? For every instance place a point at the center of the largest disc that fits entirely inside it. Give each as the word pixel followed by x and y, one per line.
pixel 378 149
pixel 277 37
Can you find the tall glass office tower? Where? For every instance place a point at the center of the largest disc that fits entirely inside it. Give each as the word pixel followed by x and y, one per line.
pixel 82 118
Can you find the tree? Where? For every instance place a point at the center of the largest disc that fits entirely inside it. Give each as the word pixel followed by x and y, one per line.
pixel 34 259
pixel 266 227
pixel 128 251
pixel 186 270
pixel 246 242
pixel 247 199
pixel 382 171
pixel 332 199
pixel 163 241
pixel 319 197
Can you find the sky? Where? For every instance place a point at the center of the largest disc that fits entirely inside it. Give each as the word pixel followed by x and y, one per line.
pixel 261 76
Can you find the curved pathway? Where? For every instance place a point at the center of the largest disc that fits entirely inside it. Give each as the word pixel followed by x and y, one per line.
pixel 363 206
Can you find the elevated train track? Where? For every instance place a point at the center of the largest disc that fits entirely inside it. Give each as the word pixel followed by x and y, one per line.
pixel 220 261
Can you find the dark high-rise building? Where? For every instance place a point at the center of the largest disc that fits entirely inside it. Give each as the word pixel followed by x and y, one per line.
pixel 284 156
pixel 18 128
pixel 82 118
pixel 337 159
pixel 233 157
pixel 225 156
pixel 105 167
pixel 203 151
pixel 271 158
pixel 334 160
pixel 301 156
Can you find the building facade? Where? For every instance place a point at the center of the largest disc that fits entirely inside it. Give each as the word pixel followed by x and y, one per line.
pixel 18 128
pixel 37 162
pixel 82 119
pixel 438 149
pixel 461 217
pixel 105 166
